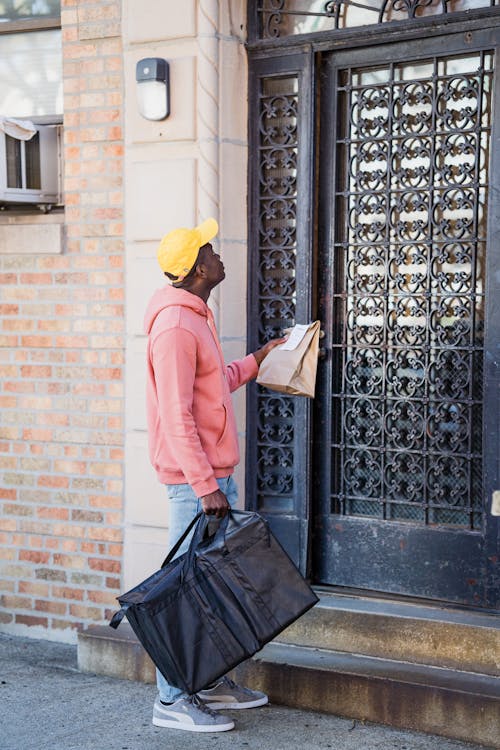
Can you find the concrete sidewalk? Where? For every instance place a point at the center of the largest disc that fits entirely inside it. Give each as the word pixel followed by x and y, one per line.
pixel 47 704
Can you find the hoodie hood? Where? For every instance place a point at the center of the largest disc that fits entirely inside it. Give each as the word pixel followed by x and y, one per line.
pixel 170 296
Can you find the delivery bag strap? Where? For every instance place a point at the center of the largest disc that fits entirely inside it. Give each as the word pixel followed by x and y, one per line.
pixel 179 542
pixel 118 616
pixel 198 535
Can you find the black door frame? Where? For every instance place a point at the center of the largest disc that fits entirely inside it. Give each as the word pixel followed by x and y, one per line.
pixel 454 559
pixel 296 55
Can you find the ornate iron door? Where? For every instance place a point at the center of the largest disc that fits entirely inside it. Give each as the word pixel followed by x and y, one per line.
pixel 278 479
pixel 409 204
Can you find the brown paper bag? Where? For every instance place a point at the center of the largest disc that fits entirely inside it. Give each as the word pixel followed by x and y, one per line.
pixel 293 370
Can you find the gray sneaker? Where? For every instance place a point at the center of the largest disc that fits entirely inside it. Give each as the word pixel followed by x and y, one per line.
pixel 227 694
pixel 190 714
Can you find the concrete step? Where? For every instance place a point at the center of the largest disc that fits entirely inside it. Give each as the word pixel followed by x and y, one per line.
pixel 447 702
pixel 432 669
pixel 433 635
pixel 114 653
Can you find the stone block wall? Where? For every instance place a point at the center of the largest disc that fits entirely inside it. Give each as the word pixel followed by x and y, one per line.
pixel 178 172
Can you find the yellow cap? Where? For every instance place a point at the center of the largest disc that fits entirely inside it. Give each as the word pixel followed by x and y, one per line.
pixel 179 249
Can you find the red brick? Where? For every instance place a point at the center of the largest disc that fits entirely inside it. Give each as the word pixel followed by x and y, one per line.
pixel 8 402
pixel 10 601
pixel 34 556
pixel 57 326
pixel 8 524
pixel 36 341
pixel 6 494
pixel 54 262
pixel 47 480
pixel 115 133
pixel 64 624
pixel 114 149
pixel 70 561
pixel 9 309
pixel 107 373
pixel 102 597
pixel 8 341
pixel 34 434
pixel 36 278
pixel 37 589
pixel 64 592
pixel 18 324
pixel 89 516
pixel 19 387
pixel 32 621
pixel 72 341
pixel 71 278
pixel 11 509
pixel 53 419
pixel 60 514
pixel 109 566
pixel 70 467
pixel 104 534
pixel 71 531
pixel 55 608
pixel 86 613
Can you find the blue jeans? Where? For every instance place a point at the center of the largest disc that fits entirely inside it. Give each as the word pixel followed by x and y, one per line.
pixel 184 505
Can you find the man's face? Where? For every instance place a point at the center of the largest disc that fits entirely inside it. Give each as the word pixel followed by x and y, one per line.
pixel 213 265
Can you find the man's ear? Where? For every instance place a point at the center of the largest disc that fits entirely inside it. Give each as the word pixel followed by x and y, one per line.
pixel 201 270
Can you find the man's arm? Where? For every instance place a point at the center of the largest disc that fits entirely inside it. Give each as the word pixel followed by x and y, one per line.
pixel 241 371
pixel 262 353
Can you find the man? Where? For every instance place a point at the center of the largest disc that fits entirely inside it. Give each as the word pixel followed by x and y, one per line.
pixel 193 440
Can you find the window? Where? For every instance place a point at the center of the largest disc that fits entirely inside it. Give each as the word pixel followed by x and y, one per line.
pixel 20 10
pixel 30 89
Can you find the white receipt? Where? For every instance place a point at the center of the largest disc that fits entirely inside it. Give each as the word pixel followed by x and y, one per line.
pixel 296 335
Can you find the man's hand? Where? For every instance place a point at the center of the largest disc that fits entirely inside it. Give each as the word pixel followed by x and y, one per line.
pixel 215 504
pixel 262 353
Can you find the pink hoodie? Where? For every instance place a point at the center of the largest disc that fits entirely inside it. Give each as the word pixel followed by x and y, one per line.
pixel 192 429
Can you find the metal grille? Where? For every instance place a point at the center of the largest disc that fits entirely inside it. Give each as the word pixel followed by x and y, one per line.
pixel 278 149
pixel 280 18
pixel 412 170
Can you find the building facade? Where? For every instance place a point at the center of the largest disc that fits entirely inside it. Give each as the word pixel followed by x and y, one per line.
pixel 348 155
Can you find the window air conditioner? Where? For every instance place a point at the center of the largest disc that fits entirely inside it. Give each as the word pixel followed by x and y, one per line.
pixel 30 171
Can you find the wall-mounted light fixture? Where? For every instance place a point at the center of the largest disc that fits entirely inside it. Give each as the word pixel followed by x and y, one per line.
pixel 153 88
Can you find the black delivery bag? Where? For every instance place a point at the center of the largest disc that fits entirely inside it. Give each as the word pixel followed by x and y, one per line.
pixel 211 608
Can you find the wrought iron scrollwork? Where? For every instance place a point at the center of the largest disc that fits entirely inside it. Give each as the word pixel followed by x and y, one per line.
pixel 278 149
pixel 411 238
pixel 282 17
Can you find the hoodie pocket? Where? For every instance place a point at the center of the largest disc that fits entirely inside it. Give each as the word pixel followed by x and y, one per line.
pixel 224 429
pixel 227 445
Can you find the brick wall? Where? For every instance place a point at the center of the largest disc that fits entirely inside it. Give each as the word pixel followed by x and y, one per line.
pixel 61 364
